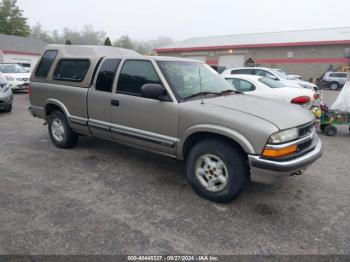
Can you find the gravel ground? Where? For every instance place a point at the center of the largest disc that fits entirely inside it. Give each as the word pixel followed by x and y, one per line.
pixel 104 198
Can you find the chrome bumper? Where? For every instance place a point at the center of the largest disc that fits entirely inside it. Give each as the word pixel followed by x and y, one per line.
pixel 270 171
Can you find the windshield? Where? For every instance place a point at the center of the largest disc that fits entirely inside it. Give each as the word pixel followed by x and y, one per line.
pixel 271 83
pixel 12 69
pixel 190 78
pixel 279 73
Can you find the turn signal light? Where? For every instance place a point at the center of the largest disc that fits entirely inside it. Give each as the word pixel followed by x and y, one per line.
pixel 271 152
pixel 300 100
pixel 316 96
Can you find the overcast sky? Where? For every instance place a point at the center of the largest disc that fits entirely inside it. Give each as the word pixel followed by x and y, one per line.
pixel 181 19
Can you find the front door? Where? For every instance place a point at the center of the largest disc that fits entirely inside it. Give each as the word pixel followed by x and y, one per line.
pixel 99 99
pixel 147 123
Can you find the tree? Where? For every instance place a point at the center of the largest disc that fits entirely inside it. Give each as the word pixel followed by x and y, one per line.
pixel 38 32
pixel 108 42
pixel 124 42
pixel 68 42
pixel 12 21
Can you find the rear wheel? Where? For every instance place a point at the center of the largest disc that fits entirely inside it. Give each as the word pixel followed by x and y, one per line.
pixel 330 130
pixel 60 132
pixel 334 86
pixel 217 170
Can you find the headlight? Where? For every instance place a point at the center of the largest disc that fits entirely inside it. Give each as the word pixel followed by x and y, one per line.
pixel 284 136
pixel 10 78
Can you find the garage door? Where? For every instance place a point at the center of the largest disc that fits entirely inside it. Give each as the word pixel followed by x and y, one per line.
pixel 199 58
pixel 231 60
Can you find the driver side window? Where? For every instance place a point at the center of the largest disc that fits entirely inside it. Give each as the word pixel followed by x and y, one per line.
pixel 134 74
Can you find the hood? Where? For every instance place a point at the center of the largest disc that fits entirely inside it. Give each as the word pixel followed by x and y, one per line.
pixel 280 114
pixel 17 75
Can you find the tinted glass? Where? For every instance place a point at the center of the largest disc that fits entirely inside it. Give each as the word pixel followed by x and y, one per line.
pixel 73 70
pixel 45 63
pixel 242 72
pixel 241 85
pixel 134 75
pixel 106 75
pixel 338 75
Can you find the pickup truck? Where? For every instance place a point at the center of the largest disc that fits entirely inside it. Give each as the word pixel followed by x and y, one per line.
pixel 176 107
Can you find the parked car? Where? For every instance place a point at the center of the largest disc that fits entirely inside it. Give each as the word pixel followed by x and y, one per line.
pixel 17 76
pixel 270 73
pixel 176 107
pixel 268 88
pixel 335 80
pixel 6 96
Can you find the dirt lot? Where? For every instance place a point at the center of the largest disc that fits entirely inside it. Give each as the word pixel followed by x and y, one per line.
pixel 104 198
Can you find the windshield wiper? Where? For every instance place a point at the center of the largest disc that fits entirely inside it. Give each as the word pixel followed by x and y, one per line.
pixel 230 91
pixel 200 94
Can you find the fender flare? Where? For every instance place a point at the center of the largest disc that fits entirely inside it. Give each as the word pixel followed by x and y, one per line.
pixel 58 104
pixel 218 130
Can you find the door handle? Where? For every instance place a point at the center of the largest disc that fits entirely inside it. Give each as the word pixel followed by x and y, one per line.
pixel 114 102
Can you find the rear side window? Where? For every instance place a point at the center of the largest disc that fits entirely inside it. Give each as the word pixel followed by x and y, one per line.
pixel 242 72
pixel 73 70
pixel 134 75
pixel 106 75
pixel 46 63
pixel 338 75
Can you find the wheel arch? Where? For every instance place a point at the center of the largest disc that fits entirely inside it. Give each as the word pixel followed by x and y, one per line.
pixel 201 132
pixel 53 104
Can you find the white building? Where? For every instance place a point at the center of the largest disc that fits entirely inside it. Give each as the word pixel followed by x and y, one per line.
pixel 20 50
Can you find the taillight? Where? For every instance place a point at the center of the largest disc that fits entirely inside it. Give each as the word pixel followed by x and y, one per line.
pixel 30 90
pixel 316 96
pixel 300 100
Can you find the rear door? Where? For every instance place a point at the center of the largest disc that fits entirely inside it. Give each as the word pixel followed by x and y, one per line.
pixel 99 98
pixel 140 121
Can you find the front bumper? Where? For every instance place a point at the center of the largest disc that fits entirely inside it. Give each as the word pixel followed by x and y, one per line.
pixel 5 100
pixel 272 171
pixel 19 85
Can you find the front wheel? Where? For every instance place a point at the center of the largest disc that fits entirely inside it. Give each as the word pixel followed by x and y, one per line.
pixel 331 130
pixel 334 86
pixel 217 170
pixel 60 132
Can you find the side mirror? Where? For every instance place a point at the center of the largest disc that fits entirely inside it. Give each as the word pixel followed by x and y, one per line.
pixel 154 91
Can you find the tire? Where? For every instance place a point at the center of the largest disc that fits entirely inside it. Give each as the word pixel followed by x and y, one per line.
pixel 8 108
pixel 234 170
pixel 334 86
pixel 330 130
pixel 61 135
pixel 323 127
